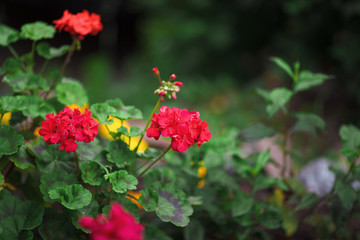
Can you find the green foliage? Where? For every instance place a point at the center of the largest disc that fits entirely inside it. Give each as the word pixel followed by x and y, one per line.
pixel 257 132
pixel 241 204
pixel 122 181
pixel 37 107
pixel 9 140
pixel 8 35
pixel 70 91
pixel 21 159
pixel 346 193
pixel 72 196
pixel 308 123
pixel 12 103
pixel 20 82
pixel 119 154
pixel 44 50
pixel 92 173
pixel 37 31
pixel 283 65
pixel 308 80
pixel 307 201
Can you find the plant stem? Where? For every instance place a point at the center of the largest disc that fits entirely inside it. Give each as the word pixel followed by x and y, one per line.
pixel 1 117
pixel 16 56
pixel 148 122
pixel 66 62
pixel 44 67
pixel 152 164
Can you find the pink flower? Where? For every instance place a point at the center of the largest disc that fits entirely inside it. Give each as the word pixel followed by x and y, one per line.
pixel 119 225
pixel 67 127
pixel 179 84
pixel 173 76
pixel 183 127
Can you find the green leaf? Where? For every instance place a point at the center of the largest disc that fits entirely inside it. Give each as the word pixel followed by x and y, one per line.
pixel 262 159
pixel 119 154
pixel 122 181
pixel 26 235
pixel 263 93
pixel 10 66
pixel 72 196
pixel 9 140
pixel 8 35
pixel 24 81
pixel 308 80
pixel 122 131
pixel 194 231
pixel 307 201
pixel 149 199
pixel 37 31
pixel 173 206
pixel 102 111
pixel 290 221
pixel 92 173
pixel 17 215
pixel 44 50
pixel 263 182
pixel 269 216
pixel 124 112
pixel 350 136
pixel 283 65
pixel 52 180
pixel 12 103
pixel 21 159
pixel 346 194
pixel 163 175
pixel 308 123
pixel 277 100
pixel 257 132
pixel 135 131
pixel 241 204
pixel 71 91
pixel 213 159
pixel 152 232
pixel 37 107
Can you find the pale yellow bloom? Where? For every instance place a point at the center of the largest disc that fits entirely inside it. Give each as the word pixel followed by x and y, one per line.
pixel 5 119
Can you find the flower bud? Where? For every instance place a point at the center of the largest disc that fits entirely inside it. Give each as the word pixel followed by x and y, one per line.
pixel 162 92
pixel 173 76
pixel 156 71
pixel 174 95
pixel 180 84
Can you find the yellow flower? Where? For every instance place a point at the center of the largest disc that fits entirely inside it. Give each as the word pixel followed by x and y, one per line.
pixel 82 109
pixel 134 196
pixel 36 132
pixel 202 172
pixel 201 183
pixel 6 118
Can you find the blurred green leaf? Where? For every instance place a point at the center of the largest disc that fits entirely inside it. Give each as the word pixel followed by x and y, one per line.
pixel 194 231
pixel 10 66
pixel 135 131
pixel 269 216
pixel 9 140
pixel 346 193
pixel 308 123
pixel 257 132
pixel 12 103
pixel 37 107
pixel 21 159
pixel 149 199
pixel 152 232
pixel 102 111
pixel 52 180
pixel 124 112
pixel 277 100
pixel 241 204
pixel 122 181
pixel 263 93
pixel 25 81
pixel 119 153
pixel 350 136
pixel 44 50
pixel 308 80
pixel 72 196
pixel 263 182
pixel 37 31
pixel 92 173
pixel 71 91
pixel 290 221
pixel 307 201
pixel 8 35
pixel 2 179
pixel 262 159
pixel 213 159
pixel 283 65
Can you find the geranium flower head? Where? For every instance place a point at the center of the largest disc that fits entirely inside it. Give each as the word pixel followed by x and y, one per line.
pixel 119 225
pixel 68 127
pixel 80 24
pixel 183 127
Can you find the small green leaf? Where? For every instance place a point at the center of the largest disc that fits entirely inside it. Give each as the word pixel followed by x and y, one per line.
pixel 72 196
pixel 308 123
pixel 263 182
pixel 269 215
pixel 350 136
pixel 119 154
pixel 213 159
pixel 277 100
pixel 21 159
pixel 135 131
pixel 262 159
pixel 307 201
pixel 283 65
pixel 8 35
pixel 263 93
pixel 149 199
pixel 92 173
pixel 124 112
pixel 12 103
pixel 122 181
pixel 102 111
pixel 37 107
pixel 10 66
pixel 241 204
pixel 37 31
pixel 44 50
pixel 257 132
pixel 123 131
pixel 308 80
pixel 346 193
pixel 9 140
pixel 71 91
pixel 24 81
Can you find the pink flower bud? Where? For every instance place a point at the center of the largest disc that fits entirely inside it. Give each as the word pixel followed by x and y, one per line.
pixel 173 76
pixel 174 95
pixel 161 99
pixel 180 84
pixel 156 71
pixel 162 92
pixel 156 92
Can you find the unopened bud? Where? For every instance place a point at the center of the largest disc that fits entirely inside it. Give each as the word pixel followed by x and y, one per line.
pixel 180 84
pixel 173 76
pixel 156 71
pixel 177 89
pixel 174 95
pixel 162 92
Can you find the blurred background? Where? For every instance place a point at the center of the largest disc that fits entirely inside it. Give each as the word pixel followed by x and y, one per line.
pixel 220 50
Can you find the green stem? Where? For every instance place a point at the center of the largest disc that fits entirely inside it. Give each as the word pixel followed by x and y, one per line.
pixel 66 62
pixel 148 123
pixel 1 117
pixel 44 67
pixel 152 164
pixel 16 56
pixel 33 53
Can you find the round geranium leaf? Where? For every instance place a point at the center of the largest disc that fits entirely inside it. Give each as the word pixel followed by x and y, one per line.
pixel 122 181
pixel 12 103
pixel 8 35
pixel 73 196
pixel 44 50
pixel 92 173
pixel 37 31
pixel 9 140
pixel 71 91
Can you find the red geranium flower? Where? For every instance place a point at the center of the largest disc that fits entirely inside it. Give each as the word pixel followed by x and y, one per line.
pixel 119 225
pixel 67 127
pixel 185 128
pixel 80 24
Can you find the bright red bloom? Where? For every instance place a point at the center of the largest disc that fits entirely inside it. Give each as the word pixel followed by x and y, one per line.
pixel 80 24
pixel 156 71
pixel 173 76
pixel 119 225
pixel 67 127
pixel 185 128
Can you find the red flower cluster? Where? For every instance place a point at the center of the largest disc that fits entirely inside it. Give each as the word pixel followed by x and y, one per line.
pixel 67 127
pixel 185 128
pixel 120 225
pixel 79 24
